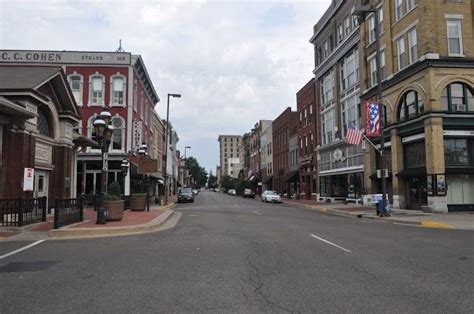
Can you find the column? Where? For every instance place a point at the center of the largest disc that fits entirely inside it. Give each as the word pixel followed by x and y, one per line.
pixel 398 183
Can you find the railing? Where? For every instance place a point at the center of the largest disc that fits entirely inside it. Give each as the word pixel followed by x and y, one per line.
pixel 90 200
pixel 68 211
pixel 20 212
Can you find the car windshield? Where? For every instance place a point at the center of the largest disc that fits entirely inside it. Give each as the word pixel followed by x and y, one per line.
pixel 186 190
pixel 271 193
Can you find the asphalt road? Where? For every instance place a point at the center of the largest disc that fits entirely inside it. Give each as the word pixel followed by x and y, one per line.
pixel 229 254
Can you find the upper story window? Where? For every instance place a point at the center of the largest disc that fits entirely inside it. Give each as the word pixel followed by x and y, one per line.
pixel 411 106
pixel 455 45
pixel 347 25
pixel 371 21
pixel 350 70
pixel 340 32
pixel 327 88
pixel 398 9
pixel 327 126
pixel 135 96
pixel 350 113
pixel 118 90
pixel 118 134
pixel 373 68
pixel 412 45
pixel 457 97
pixel 75 81
pixel 142 104
pixel 410 5
pixel 326 48
pixel 43 125
pixel 97 90
pixel 401 53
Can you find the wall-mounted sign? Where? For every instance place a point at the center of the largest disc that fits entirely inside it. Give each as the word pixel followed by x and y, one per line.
pixel 62 57
pixel 43 153
pixel 429 185
pixel 28 178
pixel 440 184
pixel 137 134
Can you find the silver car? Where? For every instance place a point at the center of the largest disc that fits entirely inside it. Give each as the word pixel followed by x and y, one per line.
pixel 271 197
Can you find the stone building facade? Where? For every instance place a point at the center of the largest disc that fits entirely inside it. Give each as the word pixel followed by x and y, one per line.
pixel 229 146
pixel 428 86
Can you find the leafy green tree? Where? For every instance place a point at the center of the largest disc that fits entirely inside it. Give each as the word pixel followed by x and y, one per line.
pixel 198 173
pixel 227 183
pixel 212 181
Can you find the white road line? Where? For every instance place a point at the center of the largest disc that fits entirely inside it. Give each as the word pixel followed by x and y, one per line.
pixel 256 212
pixel 21 249
pixel 326 241
pixel 193 215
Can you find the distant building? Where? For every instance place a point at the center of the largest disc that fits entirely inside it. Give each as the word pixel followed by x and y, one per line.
pixel 233 167
pixel 228 148
pixel 266 149
pixel 283 127
pixel 308 125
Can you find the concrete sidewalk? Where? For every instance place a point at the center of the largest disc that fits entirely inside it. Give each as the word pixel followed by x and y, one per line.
pixel 133 222
pixel 459 221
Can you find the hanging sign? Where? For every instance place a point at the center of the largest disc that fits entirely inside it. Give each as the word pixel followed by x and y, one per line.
pixel 28 178
pixel 137 133
pixel 373 119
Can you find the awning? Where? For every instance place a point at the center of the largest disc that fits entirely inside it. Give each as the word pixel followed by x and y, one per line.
pixel 292 176
pixel 412 172
pixel 268 179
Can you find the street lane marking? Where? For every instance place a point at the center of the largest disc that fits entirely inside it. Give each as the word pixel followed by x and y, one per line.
pixel 21 249
pixel 256 212
pixel 326 241
pixel 193 215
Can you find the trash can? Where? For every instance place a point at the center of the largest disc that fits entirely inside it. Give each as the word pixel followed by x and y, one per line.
pixel 380 207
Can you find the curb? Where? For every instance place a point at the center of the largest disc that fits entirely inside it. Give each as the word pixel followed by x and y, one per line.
pixel 155 224
pixel 335 212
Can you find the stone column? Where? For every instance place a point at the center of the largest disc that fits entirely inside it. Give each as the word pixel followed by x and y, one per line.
pixel 434 148
pixel 398 183
pixel 370 156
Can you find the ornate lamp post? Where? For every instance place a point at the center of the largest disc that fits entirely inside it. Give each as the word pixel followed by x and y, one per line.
pixel 185 165
pixel 103 130
pixel 166 142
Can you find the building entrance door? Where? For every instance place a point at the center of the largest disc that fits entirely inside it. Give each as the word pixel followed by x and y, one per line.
pixel 416 192
pixel 41 184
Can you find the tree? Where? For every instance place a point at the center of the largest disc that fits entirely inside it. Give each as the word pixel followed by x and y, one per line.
pixel 198 173
pixel 212 181
pixel 227 183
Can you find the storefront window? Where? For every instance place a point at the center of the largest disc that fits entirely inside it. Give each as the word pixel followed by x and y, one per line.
pixel 459 152
pixel 414 155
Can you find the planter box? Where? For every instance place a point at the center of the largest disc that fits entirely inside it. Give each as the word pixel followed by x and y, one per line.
pixel 114 210
pixel 137 203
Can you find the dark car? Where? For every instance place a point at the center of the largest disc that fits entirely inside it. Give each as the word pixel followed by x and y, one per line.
pixel 185 195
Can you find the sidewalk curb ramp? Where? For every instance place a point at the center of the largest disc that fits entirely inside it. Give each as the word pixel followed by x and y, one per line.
pixel 154 225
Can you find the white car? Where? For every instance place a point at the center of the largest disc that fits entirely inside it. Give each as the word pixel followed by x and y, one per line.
pixel 231 192
pixel 271 197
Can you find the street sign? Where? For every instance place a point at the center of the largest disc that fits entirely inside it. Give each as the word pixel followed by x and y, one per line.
pixel 105 162
pixel 28 178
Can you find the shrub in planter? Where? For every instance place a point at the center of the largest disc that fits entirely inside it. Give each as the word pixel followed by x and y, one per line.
pixel 113 203
pixel 138 201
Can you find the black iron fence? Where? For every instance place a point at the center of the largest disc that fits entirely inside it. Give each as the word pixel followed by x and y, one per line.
pixel 68 211
pixel 126 202
pixel 20 212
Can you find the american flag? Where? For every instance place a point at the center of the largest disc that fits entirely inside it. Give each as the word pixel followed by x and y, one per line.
pixel 353 136
pixel 373 119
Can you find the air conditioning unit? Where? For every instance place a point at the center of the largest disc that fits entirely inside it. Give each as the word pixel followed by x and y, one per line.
pixel 458 107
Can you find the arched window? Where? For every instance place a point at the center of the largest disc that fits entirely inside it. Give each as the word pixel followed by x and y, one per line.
pixel 75 82
pixel 44 127
pixel 96 90
pixel 457 97
pixel 410 106
pixel 118 136
pixel 118 90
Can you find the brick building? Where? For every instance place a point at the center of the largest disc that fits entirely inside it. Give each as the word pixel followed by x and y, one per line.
pixel 308 139
pixel 428 77
pixel 283 127
pixel 266 143
pixel 117 80
pixel 37 115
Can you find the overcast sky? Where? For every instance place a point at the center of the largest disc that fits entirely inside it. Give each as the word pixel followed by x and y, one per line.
pixel 234 62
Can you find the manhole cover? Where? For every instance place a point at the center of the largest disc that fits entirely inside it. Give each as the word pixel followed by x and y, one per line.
pixel 27 266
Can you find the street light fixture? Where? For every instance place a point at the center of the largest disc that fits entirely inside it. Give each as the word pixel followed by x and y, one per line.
pixel 361 12
pixel 103 130
pixel 166 145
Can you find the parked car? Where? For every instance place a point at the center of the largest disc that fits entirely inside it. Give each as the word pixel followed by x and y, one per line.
pixel 249 193
pixel 195 192
pixel 232 192
pixel 271 197
pixel 185 195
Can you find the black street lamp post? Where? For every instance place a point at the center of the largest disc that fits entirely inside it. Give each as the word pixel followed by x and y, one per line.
pixel 166 144
pixel 185 165
pixel 362 11
pixel 142 152
pixel 103 130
